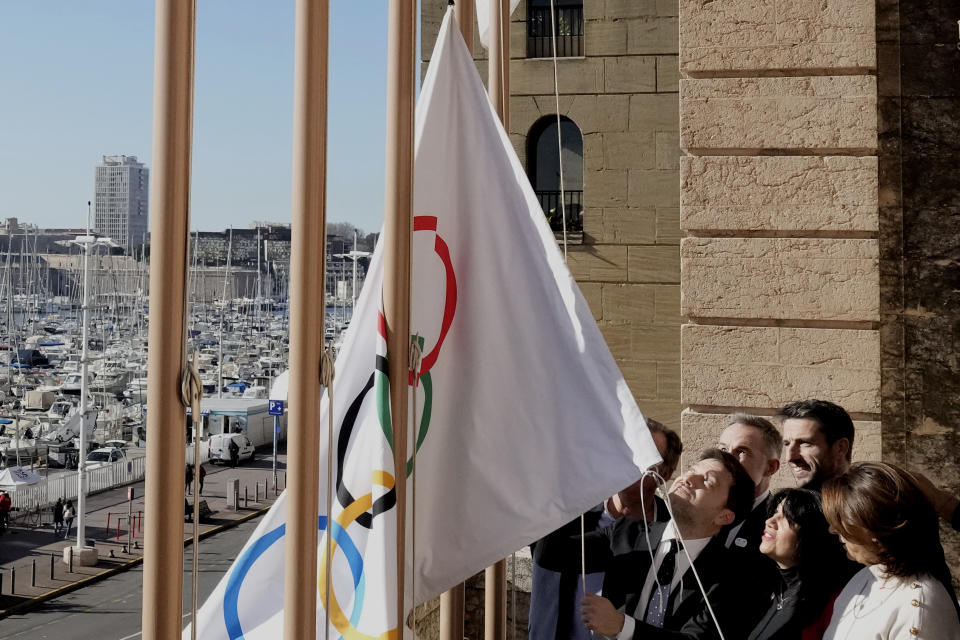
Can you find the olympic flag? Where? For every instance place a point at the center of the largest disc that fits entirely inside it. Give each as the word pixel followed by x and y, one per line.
pixel 522 418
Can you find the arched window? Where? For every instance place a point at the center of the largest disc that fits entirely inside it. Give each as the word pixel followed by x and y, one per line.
pixel 544 160
pixel 567 24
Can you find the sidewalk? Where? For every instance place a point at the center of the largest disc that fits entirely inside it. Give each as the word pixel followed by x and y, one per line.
pixel 22 549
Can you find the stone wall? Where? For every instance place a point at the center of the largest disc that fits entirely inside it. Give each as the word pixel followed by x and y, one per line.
pixel 779 210
pixel 919 116
pixel 623 95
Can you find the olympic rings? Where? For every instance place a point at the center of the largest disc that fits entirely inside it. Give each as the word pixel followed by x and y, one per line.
pixel 231 615
pixel 347 628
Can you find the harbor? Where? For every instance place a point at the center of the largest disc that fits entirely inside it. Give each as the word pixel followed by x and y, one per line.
pixel 76 326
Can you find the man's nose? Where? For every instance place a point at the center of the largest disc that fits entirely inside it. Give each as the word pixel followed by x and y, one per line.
pixel 792 451
pixel 692 479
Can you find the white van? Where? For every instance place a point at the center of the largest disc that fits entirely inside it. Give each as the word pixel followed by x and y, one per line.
pixel 220 447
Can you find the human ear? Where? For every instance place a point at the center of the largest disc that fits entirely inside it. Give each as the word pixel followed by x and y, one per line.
pixel 725 517
pixel 842 447
pixel 773 465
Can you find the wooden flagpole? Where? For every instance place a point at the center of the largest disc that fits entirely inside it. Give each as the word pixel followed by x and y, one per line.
pixel 174 35
pixel 505 63
pixel 398 231
pixel 463 11
pixel 498 85
pixel 307 314
pixel 452 601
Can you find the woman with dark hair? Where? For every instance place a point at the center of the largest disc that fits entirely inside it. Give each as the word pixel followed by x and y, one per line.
pixel 885 523
pixel 811 563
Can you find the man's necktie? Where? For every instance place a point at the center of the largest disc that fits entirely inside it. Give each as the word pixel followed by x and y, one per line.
pixel 657 607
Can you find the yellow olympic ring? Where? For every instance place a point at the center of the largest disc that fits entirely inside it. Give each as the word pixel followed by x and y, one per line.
pixel 347 517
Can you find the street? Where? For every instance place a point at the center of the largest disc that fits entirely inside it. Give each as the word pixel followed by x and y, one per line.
pixel 110 610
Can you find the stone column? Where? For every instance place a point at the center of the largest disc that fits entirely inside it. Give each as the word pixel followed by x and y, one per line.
pixel 779 259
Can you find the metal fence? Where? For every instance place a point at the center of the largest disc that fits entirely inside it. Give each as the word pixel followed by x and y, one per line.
pixel 46 492
pixel 572 200
pixel 568 27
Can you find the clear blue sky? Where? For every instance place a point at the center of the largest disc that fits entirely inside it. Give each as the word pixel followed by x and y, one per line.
pixel 76 83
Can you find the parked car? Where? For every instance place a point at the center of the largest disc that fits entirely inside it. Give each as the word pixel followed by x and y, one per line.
pixel 220 447
pixel 104 456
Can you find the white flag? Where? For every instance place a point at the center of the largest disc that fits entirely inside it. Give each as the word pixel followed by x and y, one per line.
pixel 483 18
pixel 523 420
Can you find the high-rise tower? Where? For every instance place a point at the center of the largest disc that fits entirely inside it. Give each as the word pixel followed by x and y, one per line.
pixel 121 192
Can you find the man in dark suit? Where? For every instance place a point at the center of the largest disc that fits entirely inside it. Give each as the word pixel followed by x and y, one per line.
pixel 555 596
pixel 649 590
pixel 756 443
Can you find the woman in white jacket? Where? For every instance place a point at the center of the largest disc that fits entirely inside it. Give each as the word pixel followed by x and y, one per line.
pixel 886 524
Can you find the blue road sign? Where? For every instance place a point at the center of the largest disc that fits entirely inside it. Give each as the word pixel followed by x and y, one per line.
pixel 275 408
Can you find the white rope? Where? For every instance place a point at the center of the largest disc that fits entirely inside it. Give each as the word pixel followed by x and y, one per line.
pixel 513 595
pixel 563 217
pixel 556 96
pixel 416 355
pixel 326 379
pixel 661 483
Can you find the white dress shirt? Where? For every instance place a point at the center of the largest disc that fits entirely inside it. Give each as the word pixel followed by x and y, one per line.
pixel 690 547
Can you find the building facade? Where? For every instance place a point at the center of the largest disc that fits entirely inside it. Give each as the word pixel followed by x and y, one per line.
pixel 617 74
pixel 121 190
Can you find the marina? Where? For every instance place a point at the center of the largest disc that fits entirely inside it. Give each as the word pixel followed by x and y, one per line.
pixel 241 342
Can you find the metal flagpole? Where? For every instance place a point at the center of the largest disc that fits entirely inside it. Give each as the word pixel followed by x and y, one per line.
pixel 498 85
pixel 452 601
pixel 307 260
pixel 166 420
pixel 401 66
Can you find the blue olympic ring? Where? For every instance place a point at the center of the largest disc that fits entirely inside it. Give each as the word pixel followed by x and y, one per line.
pixel 231 616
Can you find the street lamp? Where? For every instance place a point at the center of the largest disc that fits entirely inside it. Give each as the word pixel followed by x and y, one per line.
pixel 354 255
pixel 83 554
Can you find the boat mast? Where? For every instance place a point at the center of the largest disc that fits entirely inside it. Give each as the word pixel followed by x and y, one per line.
pixel 223 311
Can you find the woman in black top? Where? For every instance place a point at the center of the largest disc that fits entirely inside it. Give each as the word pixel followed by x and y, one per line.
pixel 813 565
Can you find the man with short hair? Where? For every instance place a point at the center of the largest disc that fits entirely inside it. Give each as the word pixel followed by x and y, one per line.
pixel 555 596
pixel 817 441
pixel 649 585
pixel 755 442
pixel 639 499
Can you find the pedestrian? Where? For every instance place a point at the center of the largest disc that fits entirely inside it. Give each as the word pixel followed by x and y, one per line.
pixel 5 504
pixel 58 516
pixel 201 474
pixel 189 477
pixel 68 515
pixel 234 453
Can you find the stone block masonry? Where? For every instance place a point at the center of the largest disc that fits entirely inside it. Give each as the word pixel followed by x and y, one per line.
pixel 623 95
pixel 776 36
pixel 780 276
pixel 779 193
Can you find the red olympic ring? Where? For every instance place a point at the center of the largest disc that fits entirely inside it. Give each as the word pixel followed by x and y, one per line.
pixel 429 223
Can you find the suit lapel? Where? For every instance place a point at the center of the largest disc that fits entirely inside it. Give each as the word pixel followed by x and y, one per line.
pixel 687 586
pixel 642 554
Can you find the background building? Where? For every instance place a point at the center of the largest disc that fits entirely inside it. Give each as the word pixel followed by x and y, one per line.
pixel 121 192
